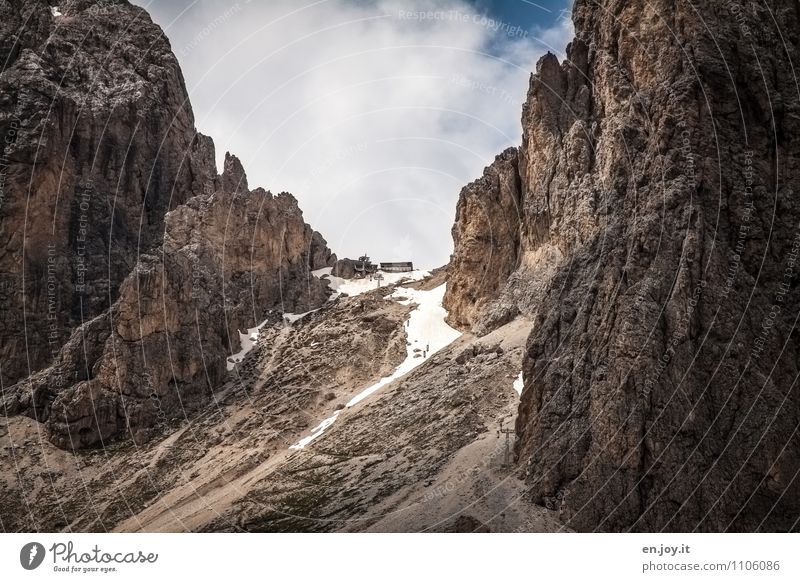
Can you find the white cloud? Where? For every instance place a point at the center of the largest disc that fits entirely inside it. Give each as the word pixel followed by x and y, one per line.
pixel 373 119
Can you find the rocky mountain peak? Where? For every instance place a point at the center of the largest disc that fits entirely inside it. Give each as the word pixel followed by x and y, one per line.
pixel 233 176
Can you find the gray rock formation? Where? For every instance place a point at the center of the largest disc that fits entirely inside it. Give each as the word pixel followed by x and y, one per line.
pixel 320 255
pixel 486 242
pixel 98 144
pixel 345 268
pixel 128 265
pixel 228 259
pixel 657 255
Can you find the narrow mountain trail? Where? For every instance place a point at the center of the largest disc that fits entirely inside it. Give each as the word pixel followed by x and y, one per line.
pixel 426 333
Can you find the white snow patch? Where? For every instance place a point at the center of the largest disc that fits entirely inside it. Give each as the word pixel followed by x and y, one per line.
pixel 358 286
pixel 518 384
pixel 54 10
pixel 316 432
pixel 248 340
pixel 292 317
pixel 323 271
pixel 426 330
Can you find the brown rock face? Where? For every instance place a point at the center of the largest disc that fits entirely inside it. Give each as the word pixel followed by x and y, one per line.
pixel 657 254
pixel 345 268
pixel 127 265
pixel 320 255
pixel 98 144
pixel 486 236
pixel 229 258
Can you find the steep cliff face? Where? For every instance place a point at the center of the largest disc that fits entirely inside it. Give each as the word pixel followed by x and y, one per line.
pixel 98 144
pixel 658 259
pixel 228 260
pixel 128 266
pixel 486 241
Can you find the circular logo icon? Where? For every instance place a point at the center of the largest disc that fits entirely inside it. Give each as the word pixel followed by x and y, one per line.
pixel 31 555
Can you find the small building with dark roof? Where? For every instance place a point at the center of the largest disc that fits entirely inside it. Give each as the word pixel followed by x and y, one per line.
pixel 397 267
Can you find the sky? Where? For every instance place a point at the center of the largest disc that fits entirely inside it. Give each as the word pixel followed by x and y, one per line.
pixel 374 114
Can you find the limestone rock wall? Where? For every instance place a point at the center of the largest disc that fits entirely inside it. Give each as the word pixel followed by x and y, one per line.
pixel 98 143
pixel 657 254
pixel 127 265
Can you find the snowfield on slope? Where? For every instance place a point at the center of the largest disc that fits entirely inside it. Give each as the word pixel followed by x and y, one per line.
pixel 519 384
pixel 247 341
pixel 354 287
pixel 427 333
pixel 338 285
